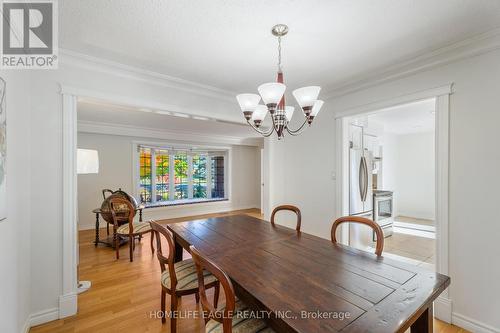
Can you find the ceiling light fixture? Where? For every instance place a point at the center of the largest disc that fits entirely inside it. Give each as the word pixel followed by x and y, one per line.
pixel 272 94
pixel 165 113
pixel 200 118
pixel 180 115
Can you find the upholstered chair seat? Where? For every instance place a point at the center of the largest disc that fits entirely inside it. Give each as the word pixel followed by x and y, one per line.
pixel 137 228
pixel 240 322
pixel 187 278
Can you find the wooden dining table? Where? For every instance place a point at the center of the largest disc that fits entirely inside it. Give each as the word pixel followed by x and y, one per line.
pixel 307 283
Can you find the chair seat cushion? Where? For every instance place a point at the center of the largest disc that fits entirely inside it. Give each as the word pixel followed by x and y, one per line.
pixel 185 271
pixel 137 228
pixel 241 323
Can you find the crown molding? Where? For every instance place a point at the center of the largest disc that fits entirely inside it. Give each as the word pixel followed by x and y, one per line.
pixel 468 48
pixel 159 134
pixel 96 96
pixel 80 60
pixel 446 89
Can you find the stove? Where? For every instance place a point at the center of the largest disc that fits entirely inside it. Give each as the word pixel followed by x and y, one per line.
pixel 383 213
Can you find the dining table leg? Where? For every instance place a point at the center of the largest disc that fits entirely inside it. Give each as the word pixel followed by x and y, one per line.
pixel 424 323
pixel 178 250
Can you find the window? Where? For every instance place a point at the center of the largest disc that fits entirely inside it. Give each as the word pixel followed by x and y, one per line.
pixel 181 176
pixel 200 176
pixel 162 175
pixel 172 176
pixel 145 174
pixel 217 170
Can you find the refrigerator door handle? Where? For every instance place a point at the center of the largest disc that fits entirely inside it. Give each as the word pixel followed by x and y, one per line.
pixel 365 177
pixel 361 179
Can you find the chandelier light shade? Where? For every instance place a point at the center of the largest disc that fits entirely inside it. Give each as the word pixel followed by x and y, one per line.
pixel 273 96
pixel 271 93
pixel 306 96
pixel 259 115
pixel 315 110
pixel 289 112
pixel 248 103
pixel 317 106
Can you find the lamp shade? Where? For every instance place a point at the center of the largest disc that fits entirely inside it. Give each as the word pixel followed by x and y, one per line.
pixel 289 112
pixel 316 107
pixel 87 161
pixel 260 113
pixel 271 92
pixel 248 102
pixel 306 96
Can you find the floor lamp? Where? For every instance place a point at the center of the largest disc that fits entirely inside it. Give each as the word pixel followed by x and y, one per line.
pixel 87 162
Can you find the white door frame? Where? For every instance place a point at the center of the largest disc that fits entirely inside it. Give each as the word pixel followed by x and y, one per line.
pixel 442 306
pixel 262 181
pixel 68 303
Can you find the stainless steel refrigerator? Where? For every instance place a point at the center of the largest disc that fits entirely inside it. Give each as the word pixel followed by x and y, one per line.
pixel 360 186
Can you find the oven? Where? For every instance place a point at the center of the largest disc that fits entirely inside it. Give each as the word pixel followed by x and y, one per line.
pixel 383 213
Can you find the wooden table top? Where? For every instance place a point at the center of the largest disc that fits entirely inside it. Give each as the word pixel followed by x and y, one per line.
pixel 288 272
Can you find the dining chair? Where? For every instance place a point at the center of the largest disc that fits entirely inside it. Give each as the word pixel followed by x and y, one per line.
pixel 357 219
pixel 104 191
pixel 123 211
pixel 180 279
pixel 291 208
pixel 233 313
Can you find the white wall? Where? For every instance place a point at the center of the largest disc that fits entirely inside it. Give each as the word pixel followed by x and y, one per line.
pixel 115 171
pixel 300 173
pixel 409 170
pixel 474 158
pixel 15 262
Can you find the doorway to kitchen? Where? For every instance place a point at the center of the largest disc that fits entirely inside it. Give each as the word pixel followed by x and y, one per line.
pixel 391 180
pixel 441 95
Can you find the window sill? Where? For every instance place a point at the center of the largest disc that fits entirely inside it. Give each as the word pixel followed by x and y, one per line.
pixel 182 202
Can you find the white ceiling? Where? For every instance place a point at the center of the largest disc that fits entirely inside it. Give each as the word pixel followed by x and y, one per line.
pixel 227 43
pixel 98 112
pixel 406 119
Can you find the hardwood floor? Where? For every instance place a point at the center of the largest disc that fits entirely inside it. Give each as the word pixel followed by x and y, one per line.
pixel 414 220
pixel 125 296
pixel 420 250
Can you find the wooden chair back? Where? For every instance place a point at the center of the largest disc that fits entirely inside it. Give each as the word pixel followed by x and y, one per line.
pixel 165 261
pixel 118 213
pixel 222 316
pixel 357 219
pixel 291 208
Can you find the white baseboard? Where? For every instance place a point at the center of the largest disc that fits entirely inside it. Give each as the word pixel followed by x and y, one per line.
pixel 26 327
pixel 443 309
pixel 472 325
pixel 68 305
pixel 43 317
pixel 413 232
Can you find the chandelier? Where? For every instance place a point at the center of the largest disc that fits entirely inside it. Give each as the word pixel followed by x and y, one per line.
pixel 272 95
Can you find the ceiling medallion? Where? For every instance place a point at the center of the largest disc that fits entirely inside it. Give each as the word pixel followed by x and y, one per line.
pixel 272 94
